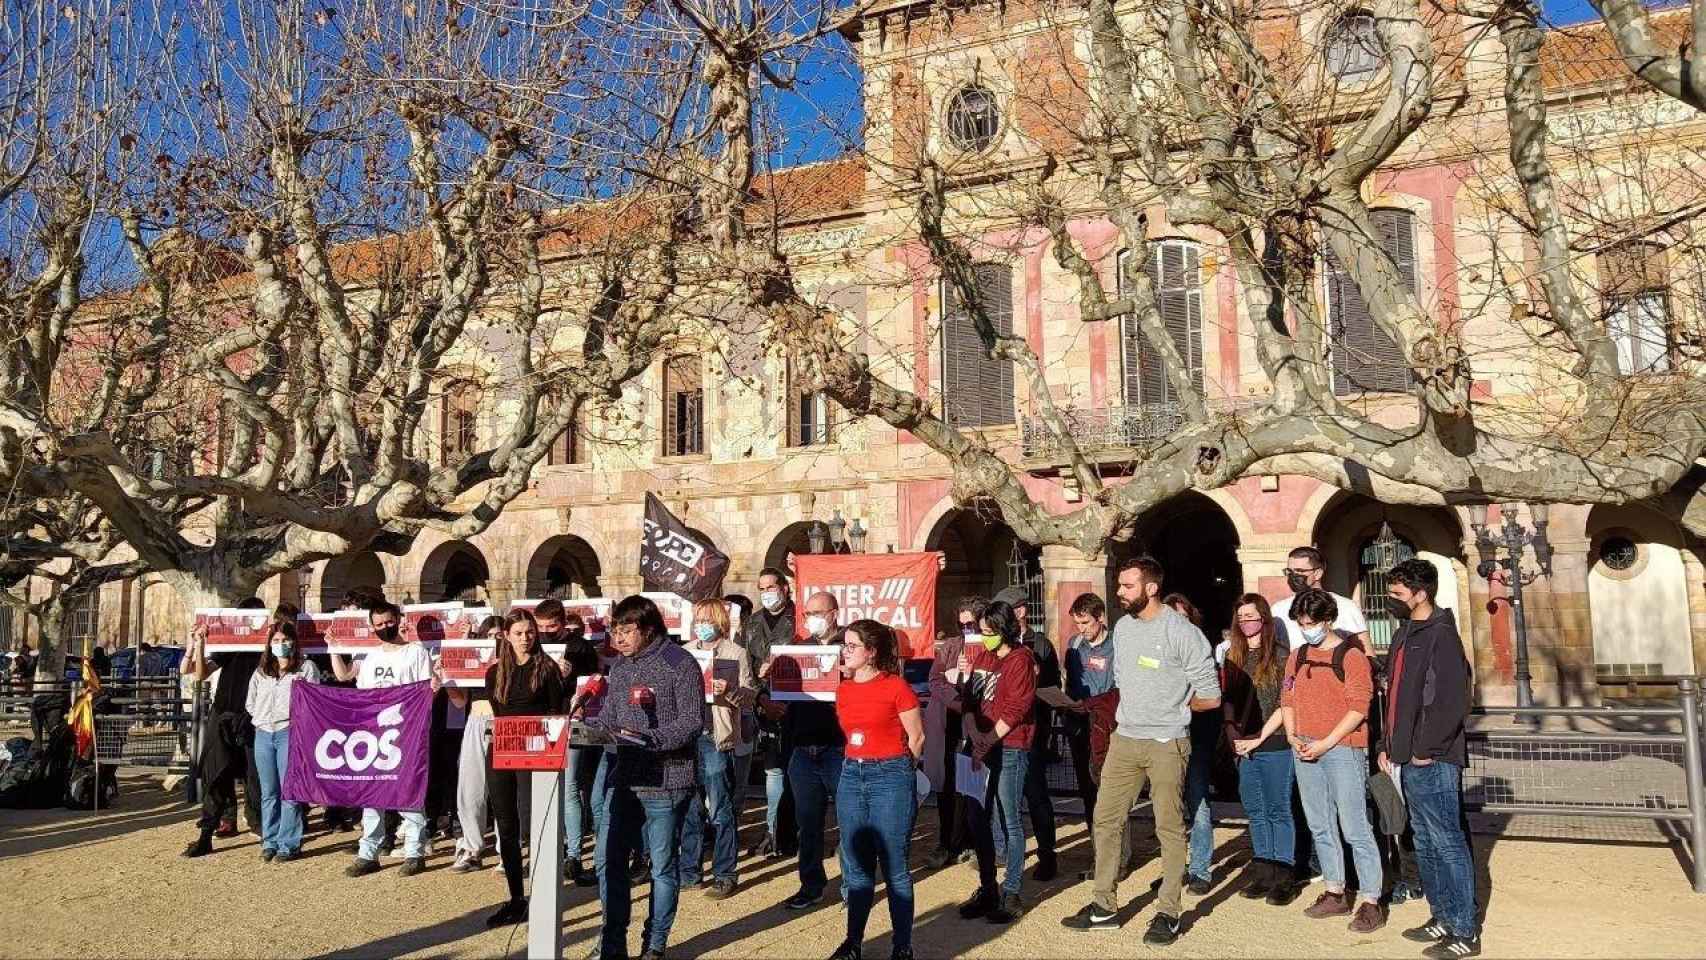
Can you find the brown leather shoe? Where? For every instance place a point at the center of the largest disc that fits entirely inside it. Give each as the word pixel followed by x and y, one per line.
pixel 1369 918
pixel 1329 904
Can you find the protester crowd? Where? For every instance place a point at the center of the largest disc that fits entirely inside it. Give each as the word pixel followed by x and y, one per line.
pixel 1334 749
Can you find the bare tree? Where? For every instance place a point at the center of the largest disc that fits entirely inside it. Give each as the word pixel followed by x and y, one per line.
pixel 1188 112
pixel 345 213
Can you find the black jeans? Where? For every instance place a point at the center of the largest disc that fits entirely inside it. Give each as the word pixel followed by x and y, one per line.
pixel 1078 737
pixel 1037 798
pixel 950 812
pixel 503 789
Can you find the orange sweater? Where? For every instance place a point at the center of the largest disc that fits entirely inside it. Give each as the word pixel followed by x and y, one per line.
pixel 1319 700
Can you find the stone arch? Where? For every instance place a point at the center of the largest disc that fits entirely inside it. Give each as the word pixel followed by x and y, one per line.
pixel 1196 541
pixel 363 569
pixel 1637 593
pixel 562 565
pixel 925 533
pixel 454 570
pixel 984 556
pixel 1347 525
pixel 792 538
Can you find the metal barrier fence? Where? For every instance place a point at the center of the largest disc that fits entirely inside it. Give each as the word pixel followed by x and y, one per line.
pixel 144 723
pixel 1642 763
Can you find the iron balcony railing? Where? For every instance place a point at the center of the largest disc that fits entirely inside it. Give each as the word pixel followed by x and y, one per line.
pixel 1125 427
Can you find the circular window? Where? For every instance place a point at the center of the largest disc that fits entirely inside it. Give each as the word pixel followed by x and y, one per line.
pixel 973 119
pixel 1353 47
pixel 1618 553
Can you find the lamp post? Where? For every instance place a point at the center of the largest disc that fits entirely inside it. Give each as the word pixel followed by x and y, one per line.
pixel 1514 538
pixel 836 536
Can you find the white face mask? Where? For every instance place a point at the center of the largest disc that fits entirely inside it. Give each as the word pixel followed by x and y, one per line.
pixel 771 599
pixel 818 625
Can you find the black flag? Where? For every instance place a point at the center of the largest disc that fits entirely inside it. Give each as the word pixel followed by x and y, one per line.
pixel 673 559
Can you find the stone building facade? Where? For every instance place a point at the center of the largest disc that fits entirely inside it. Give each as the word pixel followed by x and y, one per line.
pixel 749 461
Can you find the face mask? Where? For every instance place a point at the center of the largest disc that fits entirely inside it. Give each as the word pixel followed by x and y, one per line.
pixel 1298 582
pixel 991 642
pixel 281 650
pixel 772 600
pixel 705 632
pixel 1399 609
pixel 817 625
pixel 968 630
pixel 1314 635
pixel 386 634
pixel 1250 628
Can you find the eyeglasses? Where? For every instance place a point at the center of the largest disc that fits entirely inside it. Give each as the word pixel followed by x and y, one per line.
pixel 625 630
pixel 853 645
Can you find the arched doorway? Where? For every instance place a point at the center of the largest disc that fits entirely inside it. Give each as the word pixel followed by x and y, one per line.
pixel 564 566
pixel 455 570
pixel 794 539
pixel 984 557
pixel 348 572
pixel 1637 595
pixel 1361 538
pixel 1197 547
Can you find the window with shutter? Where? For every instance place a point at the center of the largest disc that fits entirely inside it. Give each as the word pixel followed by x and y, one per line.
pixel 809 419
pixel 1174 268
pixel 1633 284
pixel 459 421
pixel 976 390
pixel 683 408
pixel 1365 358
pixel 566 449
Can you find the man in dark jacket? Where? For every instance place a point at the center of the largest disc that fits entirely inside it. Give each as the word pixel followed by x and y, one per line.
pixel 1427 707
pixel 772 625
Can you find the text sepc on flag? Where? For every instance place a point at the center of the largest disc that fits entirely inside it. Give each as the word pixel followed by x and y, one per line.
pixel 674 559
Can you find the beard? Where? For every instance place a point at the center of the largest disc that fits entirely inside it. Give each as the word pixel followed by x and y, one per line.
pixel 1135 607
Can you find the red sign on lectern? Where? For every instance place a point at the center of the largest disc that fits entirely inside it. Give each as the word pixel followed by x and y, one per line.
pixel 530 743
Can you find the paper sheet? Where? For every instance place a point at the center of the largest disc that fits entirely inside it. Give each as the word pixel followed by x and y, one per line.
pixel 968 782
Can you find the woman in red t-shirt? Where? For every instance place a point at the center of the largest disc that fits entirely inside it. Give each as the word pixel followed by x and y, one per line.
pixel 876 799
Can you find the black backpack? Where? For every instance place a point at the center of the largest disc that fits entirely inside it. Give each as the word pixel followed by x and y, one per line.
pixel 1301 657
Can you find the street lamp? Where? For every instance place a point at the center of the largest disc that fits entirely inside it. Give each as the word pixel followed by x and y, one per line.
pixel 836 536
pixel 837 532
pixel 815 536
pixel 1514 538
pixel 856 536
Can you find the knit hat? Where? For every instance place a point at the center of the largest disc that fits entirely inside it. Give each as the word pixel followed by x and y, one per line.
pixel 1014 596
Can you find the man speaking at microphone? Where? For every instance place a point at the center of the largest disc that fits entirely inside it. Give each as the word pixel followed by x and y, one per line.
pixel 655 707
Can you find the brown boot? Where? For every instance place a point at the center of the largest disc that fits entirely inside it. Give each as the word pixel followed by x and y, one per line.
pixel 1329 904
pixel 1369 918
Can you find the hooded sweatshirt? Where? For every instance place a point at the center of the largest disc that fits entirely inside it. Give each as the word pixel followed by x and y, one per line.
pixel 1429 696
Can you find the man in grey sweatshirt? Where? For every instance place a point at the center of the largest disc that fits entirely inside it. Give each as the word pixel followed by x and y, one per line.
pixel 1164 669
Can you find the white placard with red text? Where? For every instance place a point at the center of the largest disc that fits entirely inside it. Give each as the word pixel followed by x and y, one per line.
pixel 232 630
pixel 804 672
pixel 462 656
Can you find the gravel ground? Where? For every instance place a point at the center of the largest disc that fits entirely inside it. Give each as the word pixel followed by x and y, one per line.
pixel 112 885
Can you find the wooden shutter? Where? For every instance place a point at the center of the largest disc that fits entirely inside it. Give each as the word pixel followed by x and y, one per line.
pixel 976 390
pixel 458 421
pixel 1175 271
pixel 1365 358
pixel 566 448
pixel 810 413
pixel 683 407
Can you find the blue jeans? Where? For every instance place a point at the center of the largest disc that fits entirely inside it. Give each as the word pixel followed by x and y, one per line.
pixel 875 805
pixel 577 798
pixel 1199 820
pixel 716 794
pixel 1335 801
pixel 413 832
pixel 775 780
pixel 1264 784
pixel 813 773
pixel 1435 797
pixel 281 820
pixel 1007 769
pixel 600 806
pixel 632 819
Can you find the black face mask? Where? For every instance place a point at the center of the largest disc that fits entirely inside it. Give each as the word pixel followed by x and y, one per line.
pixel 1298 582
pixel 1398 608
pixel 575 636
pixel 386 634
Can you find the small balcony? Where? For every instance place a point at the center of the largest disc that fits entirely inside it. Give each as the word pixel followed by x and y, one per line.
pixel 1106 430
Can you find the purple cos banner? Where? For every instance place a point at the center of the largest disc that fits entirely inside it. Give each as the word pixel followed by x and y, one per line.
pixel 359 748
